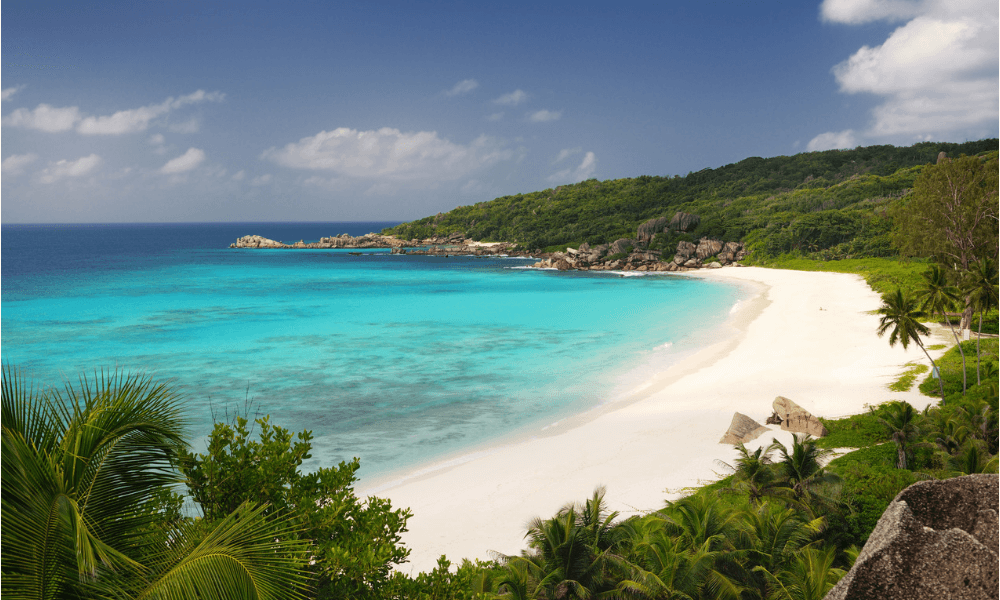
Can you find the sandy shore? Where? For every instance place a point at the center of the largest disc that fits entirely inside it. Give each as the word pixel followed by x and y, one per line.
pixel 806 336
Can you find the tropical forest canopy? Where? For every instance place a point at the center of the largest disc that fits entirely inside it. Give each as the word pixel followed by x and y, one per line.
pixel 832 204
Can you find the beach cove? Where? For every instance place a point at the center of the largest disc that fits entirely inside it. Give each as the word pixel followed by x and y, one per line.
pixel 807 336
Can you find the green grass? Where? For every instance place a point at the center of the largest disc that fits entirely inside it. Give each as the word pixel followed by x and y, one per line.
pixel 882 274
pixel 855 431
pixel 937 347
pixel 951 366
pixel 908 378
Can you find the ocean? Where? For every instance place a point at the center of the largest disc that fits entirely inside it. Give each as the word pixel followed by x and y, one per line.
pixel 398 360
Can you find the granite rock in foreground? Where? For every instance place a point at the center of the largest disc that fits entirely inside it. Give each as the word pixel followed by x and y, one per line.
pixel 937 539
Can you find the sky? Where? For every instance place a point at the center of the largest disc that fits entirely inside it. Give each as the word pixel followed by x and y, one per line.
pixel 330 111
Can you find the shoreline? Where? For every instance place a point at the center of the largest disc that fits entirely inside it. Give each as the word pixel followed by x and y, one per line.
pixel 744 311
pixel 804 335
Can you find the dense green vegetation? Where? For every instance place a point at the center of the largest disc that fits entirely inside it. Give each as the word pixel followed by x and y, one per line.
pixel 831 204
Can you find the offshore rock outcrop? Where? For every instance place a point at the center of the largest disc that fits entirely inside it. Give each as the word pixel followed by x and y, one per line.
pixel 368 240
pixel 937 539
pixel 625 254
pixel 454 244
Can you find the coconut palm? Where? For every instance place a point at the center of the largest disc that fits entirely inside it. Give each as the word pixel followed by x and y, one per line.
pixel 802 469
pixel 951 436
pixel 753 475
pixel 773 536
pixel 81 469
pixel 900 421
pixel 981 286
pixel 809 577
pixel 973 459
pixel 937 297
pixel 900 317
pixel 562 563
pixel 667 567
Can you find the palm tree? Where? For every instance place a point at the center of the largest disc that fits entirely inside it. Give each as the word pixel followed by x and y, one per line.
pixel 667 567
pixel 973 459
pixel 774 536
pixel 684 551
pixel 809 577
pixel 81 469
pixel 900 422
pixel 803 470
pixel 981 286
pixel 561 562
pixel 753 474
pixel 937 297
pixel 900 315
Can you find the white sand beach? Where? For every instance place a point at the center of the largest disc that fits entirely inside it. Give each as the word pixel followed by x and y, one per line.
pixel 806 336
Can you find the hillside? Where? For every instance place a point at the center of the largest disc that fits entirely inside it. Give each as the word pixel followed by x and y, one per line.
pixel 830 204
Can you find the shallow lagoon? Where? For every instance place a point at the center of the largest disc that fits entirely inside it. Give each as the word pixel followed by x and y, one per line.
pixel 396 359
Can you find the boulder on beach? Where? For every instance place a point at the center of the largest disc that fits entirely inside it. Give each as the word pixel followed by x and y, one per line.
pixel 796 419
pixel 707 247
pixel 937 539
pixel 742 430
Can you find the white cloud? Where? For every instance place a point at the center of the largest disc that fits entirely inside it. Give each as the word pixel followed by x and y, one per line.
pixel 566 153
pixel 47 118
pixel 856 12
pixel 832 140
pixel 543 116
pixel 185 162
pixel 261 179
pixel 495 117
pixel 14 164
pixel 138 119
pixel 9 92
pixel 44 118
pixel 584 171
pixel 190 126
pixel 512 99
pixel 239 175
pixel 70 168
pixel 937 73
pixel 388 154
pixel 462 87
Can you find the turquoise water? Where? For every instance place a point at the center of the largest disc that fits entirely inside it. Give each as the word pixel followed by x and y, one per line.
pixel 396 359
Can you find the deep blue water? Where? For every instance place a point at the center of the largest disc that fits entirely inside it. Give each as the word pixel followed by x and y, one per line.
pixel 396 359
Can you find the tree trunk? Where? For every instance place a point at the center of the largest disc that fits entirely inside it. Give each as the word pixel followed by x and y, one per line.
pixel 900 452
pixel 966 313
pixel 933 368
pixel 960 349
pixel 979 336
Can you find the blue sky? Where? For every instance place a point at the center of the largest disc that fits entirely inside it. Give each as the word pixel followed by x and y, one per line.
pixel 325 111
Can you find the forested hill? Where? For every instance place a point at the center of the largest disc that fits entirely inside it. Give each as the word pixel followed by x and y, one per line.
pixel 833 203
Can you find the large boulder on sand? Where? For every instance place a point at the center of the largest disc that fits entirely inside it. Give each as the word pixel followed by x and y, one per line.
pixel 796 419
pixel 707 247
pixel 742 430
pixel 937 539
pixel 685 250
